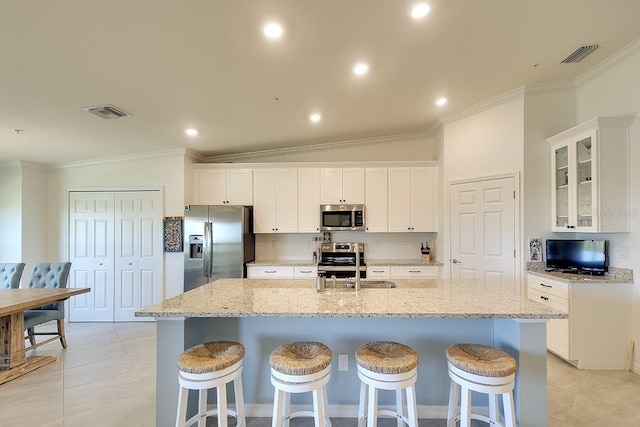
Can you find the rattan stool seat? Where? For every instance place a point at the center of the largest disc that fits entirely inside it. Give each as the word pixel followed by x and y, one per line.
pixel 300 358
pixel 481 360
pixel 210 357
pixel 386 357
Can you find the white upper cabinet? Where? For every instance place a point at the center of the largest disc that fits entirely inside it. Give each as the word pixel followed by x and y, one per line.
pixel 412 199
pixel 308 200
pixel 275 204
pixel 223 187
pixel 375 195
pixel 342 185
pixel 590 177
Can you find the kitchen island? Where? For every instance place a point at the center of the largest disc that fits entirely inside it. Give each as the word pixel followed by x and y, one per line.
pixel 427 314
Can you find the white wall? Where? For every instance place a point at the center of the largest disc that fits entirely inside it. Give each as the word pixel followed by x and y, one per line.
pixel 162 170
pixel 487 143
pixel 10 212
pixel 415 147
pixel 615 92
pixel 34 217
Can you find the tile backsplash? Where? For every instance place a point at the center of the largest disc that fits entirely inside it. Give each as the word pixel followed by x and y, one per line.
pixel 377 245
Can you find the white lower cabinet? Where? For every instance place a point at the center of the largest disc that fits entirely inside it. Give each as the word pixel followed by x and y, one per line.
pixel 270 272
pixel 403 271
pixel 306 272
pixel 596 334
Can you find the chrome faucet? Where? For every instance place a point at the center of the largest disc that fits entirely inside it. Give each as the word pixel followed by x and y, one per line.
pixel 333 280
pixel 356 249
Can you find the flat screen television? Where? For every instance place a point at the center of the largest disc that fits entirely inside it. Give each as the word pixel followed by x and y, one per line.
pixel 588 256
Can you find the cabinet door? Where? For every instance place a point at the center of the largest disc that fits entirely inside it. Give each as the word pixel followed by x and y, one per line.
pixel 558 337
pixel 286 201
pixel 353 186
pixel 210 187
pixel 239 187
pixel 264 208
pixel 331 186
pixel 376 199
pixel 308 200
pixel 560 188
pixel 585 185
pixel 399 199
pixel 423 199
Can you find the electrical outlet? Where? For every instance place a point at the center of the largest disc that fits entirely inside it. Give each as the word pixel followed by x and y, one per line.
pixel 343 362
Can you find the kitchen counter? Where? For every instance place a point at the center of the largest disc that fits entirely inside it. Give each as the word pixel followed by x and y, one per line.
pixel 283 262
pixel 615 275
pixel 368 262
pixel 391 262
pixel 426 314
pixel 412 298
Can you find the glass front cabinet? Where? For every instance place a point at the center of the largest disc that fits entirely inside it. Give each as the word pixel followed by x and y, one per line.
pixel 590 177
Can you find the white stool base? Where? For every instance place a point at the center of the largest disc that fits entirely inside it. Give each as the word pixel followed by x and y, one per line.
pixel 463 383
pixel 285 385
pixel 371 382
pixel 204 382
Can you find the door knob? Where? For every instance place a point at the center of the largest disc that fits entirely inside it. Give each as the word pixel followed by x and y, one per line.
pixel 455 261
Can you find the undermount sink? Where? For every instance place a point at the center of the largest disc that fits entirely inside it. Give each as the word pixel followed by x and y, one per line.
pixel 373 284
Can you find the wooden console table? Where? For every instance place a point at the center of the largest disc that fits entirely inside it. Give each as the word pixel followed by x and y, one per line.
pixel 13 303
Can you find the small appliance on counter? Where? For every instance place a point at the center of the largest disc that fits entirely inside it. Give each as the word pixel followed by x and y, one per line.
pixel 218 242
pixel 339 259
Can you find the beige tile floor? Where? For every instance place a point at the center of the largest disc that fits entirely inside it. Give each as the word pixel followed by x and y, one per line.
pixel 106 377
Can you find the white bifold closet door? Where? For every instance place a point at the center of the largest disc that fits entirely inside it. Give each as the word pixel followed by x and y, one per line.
pixel 115 246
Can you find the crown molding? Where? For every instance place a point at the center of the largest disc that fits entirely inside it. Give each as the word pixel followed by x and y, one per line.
pixel 544 88
pixel 10 164
pixel 22 164
pixel 118 159
pixel 610 62
pixel 255 155
pixel 488 104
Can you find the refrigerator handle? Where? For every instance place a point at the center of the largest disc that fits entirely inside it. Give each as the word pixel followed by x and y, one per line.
pixel 207 250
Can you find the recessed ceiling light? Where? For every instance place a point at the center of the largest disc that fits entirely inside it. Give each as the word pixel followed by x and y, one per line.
pixel 315 117
pixel 361 69
pixel 441 101
pixel 191 132
pixel 273 30
pixel 420 10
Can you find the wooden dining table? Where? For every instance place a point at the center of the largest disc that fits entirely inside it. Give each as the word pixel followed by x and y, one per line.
pixel 13 302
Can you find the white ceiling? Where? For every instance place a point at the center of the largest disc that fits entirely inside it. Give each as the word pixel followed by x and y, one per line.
pixel 205 64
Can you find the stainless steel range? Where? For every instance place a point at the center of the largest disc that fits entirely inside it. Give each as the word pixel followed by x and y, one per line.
pixel 339 259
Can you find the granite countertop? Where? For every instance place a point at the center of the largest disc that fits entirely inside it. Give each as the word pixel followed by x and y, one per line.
pixel 615 275
pixel 369 262
pixel 413 298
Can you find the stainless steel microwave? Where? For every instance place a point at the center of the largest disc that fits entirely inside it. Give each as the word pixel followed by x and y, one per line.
pixel 342 217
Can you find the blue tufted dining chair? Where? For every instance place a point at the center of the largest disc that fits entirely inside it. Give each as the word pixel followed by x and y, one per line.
pixel 10 274
pixel 47 275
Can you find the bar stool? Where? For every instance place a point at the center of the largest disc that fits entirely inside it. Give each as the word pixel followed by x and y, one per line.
pixel 482 369
pixel 384 365
pixel 300 367
pixel 211 365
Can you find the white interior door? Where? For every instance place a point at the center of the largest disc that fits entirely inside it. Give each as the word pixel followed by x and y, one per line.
pixel 483 231
pixel 115 247
pixel 91 255
pixel 138 256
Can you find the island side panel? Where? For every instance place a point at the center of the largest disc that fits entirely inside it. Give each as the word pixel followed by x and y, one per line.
pixel 526 341
pixel 174 335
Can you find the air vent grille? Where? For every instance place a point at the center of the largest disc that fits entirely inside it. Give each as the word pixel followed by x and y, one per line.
pixel 580 53
pixel 107 112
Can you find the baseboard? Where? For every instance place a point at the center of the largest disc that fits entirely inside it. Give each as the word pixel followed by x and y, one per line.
pixel 351 411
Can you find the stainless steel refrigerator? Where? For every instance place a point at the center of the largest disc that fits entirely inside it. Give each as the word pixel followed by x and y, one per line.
pixel 218 242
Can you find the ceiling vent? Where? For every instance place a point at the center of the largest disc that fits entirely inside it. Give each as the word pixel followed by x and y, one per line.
pixel 580 53
pixel 107 112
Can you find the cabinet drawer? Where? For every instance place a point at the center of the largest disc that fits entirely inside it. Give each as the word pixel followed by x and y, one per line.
pixel 306 272
pixel 270 272
pixel 383 271
pixel 398 271
pixel 550 300
pixel 548 286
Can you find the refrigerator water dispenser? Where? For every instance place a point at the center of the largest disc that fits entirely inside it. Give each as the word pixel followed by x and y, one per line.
pixel 195 246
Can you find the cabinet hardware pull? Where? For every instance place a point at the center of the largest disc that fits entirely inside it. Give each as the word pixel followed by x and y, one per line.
pixel 544 298
pixel 269 271
pixel 377 271
pixel 546 286
pixel 415 271
pixel 305 271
